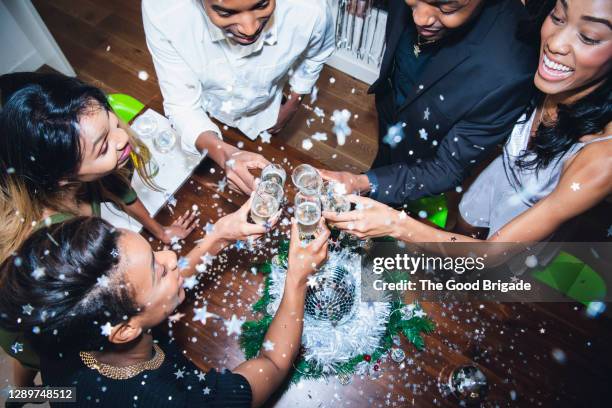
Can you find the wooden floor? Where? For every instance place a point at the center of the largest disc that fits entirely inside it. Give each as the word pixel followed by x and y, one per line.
pixel 516 344
pixel 105 43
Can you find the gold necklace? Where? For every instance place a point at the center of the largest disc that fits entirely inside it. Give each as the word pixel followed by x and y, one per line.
pixel 417 46
pixel 123 373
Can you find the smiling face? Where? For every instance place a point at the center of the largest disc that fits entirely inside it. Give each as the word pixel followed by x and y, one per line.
pixel 576 50
pixel 104 145
pixel 241 20
pixel 154 279
pixel 435 19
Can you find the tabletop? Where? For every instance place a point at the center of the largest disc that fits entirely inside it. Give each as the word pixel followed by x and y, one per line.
pixel 533 354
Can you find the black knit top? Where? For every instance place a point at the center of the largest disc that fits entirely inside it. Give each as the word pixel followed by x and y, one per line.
pixel 176 383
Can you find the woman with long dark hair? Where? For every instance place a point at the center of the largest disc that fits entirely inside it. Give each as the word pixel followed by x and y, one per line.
pixel 558 161
pixel 92 307
pixel 62 152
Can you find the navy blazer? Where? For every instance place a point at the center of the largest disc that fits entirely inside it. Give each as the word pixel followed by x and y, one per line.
pixel 475 87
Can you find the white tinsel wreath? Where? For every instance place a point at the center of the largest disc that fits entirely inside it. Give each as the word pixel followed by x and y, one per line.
pixel 327 344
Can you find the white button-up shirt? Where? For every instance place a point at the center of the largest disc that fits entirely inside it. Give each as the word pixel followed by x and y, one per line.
pixel 201 72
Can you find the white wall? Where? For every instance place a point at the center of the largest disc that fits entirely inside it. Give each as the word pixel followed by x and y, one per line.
pixel 25 42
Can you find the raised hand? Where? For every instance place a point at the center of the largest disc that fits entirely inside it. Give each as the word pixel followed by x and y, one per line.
pixel 180 228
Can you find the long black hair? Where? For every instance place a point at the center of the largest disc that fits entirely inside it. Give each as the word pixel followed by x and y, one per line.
pixel 63 285
pixel 40 151
pixel 589 115
pixel 39 124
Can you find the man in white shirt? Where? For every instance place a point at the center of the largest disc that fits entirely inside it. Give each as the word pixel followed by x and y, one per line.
pixel 229 59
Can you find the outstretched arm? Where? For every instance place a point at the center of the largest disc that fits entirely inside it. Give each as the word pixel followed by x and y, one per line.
pixel 266 372
pixel 586 180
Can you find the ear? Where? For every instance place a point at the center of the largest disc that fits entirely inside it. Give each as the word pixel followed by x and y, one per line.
pixel 125 332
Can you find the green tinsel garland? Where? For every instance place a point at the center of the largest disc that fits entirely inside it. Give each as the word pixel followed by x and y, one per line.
pixel 254 331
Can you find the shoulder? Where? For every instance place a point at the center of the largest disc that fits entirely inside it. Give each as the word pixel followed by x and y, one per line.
pixel 304 10
pixel 594 161
pixel 502 48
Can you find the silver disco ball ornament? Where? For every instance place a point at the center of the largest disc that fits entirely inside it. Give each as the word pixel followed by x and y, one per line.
pixel 332 296
pixel 469 384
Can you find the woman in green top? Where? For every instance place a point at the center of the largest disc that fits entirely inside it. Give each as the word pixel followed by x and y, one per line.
pixel 62 152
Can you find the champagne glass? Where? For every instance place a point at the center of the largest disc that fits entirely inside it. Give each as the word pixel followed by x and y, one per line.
pixel 264 206
pixel 165 140
pixel 272 188
pixel 307 214
pixel 274 172
pixel 333 197
pixel 307 179
pixel 145 126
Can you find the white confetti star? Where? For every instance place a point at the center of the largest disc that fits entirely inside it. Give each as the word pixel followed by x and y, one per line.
pixel 176 317
pixel 201 376
pixel 207 258
pixel 420 313
pixel 182 263
pixel 234 325
pixel 206 391
pixel 202 314
pixel 268 345
pixel 230 163
pixel 575 186
pixel 307 144
pixel 190 282
pixel 227 107
pixel 265 136
pixel 319 136
pixel 426 114
pixel 221 185
pixel 312 282
pixel 103 281
pixel 38 273
pixel 542 330
pixel 27 309
pixel 179 374
pixel 423 134
pixel 17 347
pixel 106 329
pixel 341 127
pixel 208 228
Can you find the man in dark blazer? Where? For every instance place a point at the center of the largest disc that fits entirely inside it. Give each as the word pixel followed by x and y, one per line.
pixel 453 82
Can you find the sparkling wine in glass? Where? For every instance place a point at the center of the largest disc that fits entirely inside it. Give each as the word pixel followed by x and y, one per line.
pixel 307 214
pixel 333 197
pixel 274 172
pixel 263 207
pixel 272 188
pixel 307 179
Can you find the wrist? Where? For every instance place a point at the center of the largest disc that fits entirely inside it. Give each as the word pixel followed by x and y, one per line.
pixel 215 147
pixel 399 226
pixel 362 183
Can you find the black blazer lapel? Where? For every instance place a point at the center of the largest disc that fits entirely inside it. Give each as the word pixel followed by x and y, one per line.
pixel 443 62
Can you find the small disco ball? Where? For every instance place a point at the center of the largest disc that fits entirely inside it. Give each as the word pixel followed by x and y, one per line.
pixel 469 384
pixel 333 296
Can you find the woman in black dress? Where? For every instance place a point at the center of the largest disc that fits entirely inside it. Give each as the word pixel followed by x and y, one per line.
pixel 89 297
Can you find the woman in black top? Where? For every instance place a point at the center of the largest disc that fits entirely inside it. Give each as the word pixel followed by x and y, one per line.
pixel 88 296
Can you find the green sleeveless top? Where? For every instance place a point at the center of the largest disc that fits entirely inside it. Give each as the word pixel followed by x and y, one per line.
pixel 16 344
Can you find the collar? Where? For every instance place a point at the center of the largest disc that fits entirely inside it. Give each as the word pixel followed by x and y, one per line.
pixel 269 36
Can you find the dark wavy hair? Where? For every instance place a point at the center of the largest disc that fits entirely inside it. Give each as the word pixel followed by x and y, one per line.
pixel 63 285
pixel 589 115
pixel 40 149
